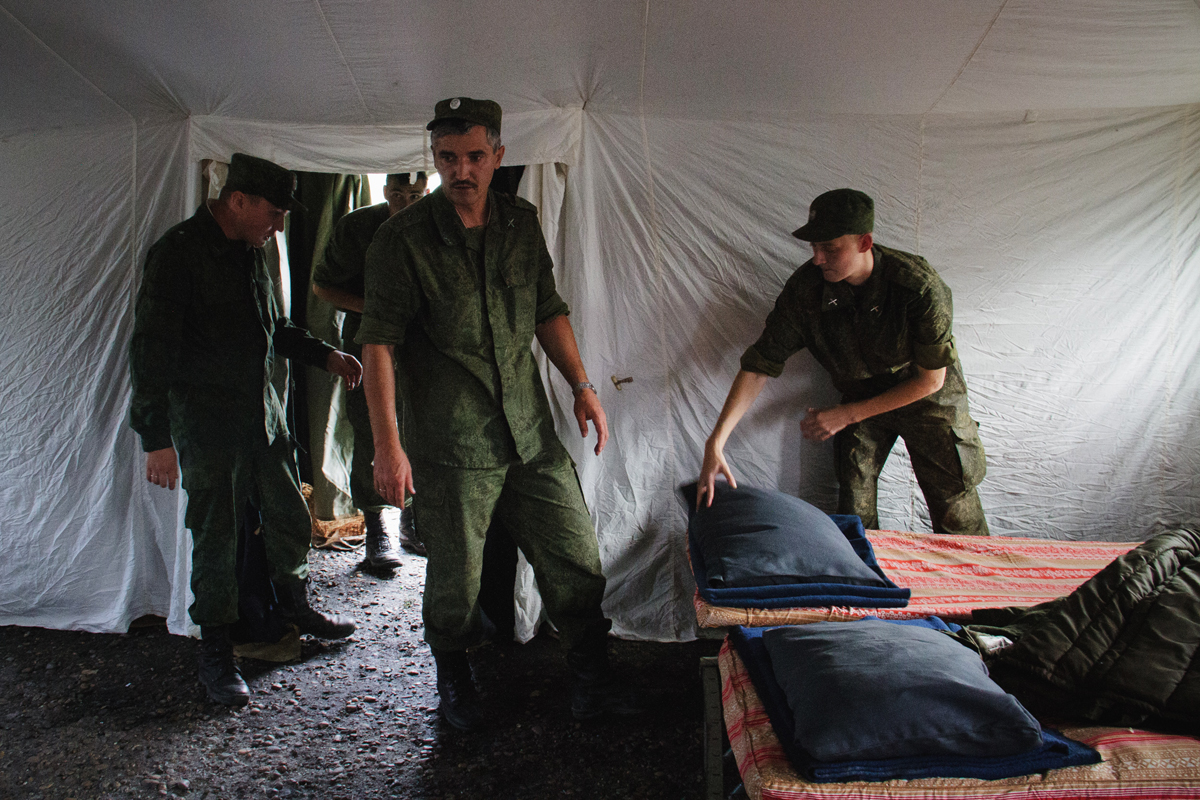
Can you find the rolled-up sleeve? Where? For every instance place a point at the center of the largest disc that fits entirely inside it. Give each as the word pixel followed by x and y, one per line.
pixel 549 303
pixel 931 320
pixel 392 295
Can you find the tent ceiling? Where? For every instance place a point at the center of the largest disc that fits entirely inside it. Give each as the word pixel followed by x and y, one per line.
pixel 350 62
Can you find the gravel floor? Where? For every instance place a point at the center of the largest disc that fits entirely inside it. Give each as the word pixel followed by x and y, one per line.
pixel 115 716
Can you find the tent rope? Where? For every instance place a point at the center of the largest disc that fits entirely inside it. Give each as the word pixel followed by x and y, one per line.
pixel 656 244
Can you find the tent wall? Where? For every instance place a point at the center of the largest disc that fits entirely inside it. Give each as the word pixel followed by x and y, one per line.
pixel 84 543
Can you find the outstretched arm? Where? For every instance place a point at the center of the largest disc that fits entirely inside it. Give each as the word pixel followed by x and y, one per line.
pixel 820 424
pixel 745 390
pixel 339 298
pixel 346 367
pixel 558 340
pixel 393 473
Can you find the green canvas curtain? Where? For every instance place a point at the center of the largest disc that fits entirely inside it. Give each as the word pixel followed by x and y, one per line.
pixel 320 424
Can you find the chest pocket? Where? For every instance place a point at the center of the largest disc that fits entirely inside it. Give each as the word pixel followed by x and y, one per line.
pixel 519 269
pixel 456 312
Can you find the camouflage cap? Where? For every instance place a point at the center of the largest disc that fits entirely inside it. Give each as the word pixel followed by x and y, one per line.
pixel 837 213
pixel 480 112
pixel 268 180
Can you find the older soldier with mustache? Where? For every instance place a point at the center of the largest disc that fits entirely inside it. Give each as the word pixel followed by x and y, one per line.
pixel 458 285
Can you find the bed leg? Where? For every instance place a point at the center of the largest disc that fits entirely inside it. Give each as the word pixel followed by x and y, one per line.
pixel 714 730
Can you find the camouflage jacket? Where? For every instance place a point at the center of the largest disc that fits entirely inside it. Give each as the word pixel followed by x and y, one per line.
pixel 210 341
pixel 344 261
pixel 461 308
pixel 867 337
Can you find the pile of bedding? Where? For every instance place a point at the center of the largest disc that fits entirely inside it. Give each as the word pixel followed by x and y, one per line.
pixel 765 549
pixel 1122 649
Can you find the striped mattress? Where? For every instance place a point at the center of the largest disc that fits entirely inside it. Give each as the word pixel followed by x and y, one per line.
pixel 1137 764
pixel 949 577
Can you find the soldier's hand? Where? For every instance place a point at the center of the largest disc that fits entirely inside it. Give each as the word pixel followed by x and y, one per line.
pixel 820 424
pixel 346 367
pixel 587 407
pixel 714 463
pixel 393 475
pixel 162 467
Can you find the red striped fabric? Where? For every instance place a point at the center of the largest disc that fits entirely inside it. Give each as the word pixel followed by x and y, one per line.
pixel 949 577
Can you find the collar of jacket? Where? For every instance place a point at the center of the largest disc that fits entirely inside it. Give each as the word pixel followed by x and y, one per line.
pixel 449 224
pixel 841 296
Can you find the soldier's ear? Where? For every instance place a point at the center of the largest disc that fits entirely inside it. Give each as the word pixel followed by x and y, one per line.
pixel 866 242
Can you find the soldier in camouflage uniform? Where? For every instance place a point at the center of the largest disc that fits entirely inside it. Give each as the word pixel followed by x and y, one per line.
pixel 338 279
pixel 210 381
pixel 879 320
pixel 458 285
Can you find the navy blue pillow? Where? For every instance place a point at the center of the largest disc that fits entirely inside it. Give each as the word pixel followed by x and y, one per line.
pixel 870 690
pixel 756 537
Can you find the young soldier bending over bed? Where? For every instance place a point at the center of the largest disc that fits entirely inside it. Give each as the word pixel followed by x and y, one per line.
pixel 879 320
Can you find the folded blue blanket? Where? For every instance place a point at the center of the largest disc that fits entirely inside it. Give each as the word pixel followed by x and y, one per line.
pixel 1057 750
pixel 807 595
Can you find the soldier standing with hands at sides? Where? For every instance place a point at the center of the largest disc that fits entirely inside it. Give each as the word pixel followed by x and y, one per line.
pixel 338 279
pixel 458 286
pixel 880 321
pixel 208 359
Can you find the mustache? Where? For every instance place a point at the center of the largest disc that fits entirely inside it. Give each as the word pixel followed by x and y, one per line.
pixel 463 184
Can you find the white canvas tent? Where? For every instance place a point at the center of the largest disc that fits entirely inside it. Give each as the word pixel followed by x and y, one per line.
pixel 1044 156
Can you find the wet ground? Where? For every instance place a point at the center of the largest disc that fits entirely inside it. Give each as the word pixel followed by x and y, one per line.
pixel 116 716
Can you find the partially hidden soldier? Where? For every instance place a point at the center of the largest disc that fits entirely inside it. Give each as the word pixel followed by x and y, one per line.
pixel 338 279
pixel 458 286
pixel 879 320
pixel 210 382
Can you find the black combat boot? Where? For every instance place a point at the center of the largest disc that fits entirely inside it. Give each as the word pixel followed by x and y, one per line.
pixel 460 705
pixel 218 672
pixel 293 604
pixel 595 690
pixel 380 553
pixel 408 533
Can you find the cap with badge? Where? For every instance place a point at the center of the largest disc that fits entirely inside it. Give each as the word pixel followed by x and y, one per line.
pixel 838 213
pixel 480 112
pixel 268 180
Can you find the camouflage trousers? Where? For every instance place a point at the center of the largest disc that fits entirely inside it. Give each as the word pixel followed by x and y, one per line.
pixel 219 483
pixel 541 504
pixel 947 458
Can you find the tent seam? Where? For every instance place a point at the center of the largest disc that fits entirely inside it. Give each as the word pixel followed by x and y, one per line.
pixel 1173 313
pixel 655 236
pixel 70 66
pixel 969 59
pixel 342 57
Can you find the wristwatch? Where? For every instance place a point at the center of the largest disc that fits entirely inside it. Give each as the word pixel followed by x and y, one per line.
pixel 579 387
